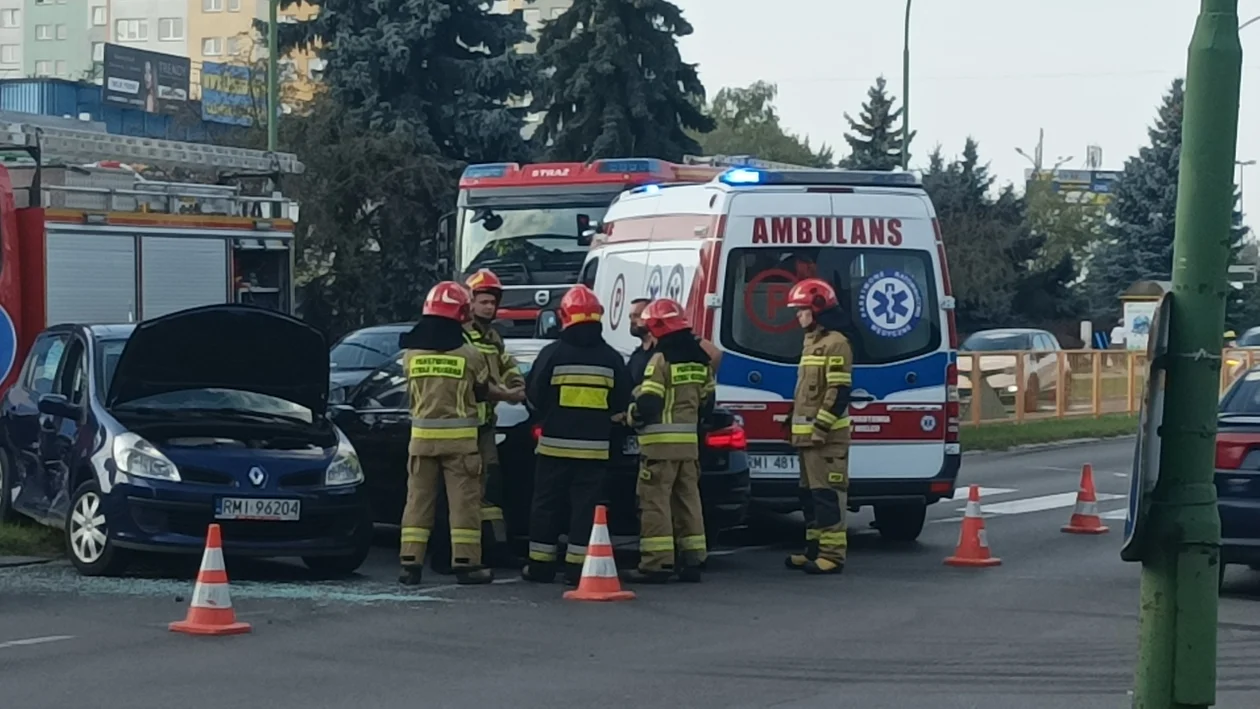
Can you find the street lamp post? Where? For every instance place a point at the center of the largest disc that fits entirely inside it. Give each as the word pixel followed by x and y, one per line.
pixel 273 84
pixel 1242 178
pixel 905 95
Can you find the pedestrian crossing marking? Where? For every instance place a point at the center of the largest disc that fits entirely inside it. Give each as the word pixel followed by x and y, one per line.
pixel 961 493
pixel 1039 504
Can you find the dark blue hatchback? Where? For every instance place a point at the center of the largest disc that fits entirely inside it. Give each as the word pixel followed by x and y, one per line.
pixel 137 438
pixel 1238 471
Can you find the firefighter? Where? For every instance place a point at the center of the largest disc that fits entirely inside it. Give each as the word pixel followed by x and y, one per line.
pixel 676 393
pixel 447 379
pixel 820 426
pixel 487 292
pixel 579 387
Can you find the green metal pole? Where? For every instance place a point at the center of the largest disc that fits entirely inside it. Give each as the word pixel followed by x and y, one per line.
pixel 905 95
pixel 1181 553
pixel 273 83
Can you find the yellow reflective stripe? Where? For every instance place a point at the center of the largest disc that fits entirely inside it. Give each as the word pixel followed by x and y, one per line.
pixel 490 513
pixel 842 422
pixel 465 536
pixel 483 412
pixel 415 535
pixel 449 366
pixel 802 429
pixel 839 378
pixel 582 380
pixel 649 370
pixel 443 434
pixel 542 552
pixel 656 544
pixel 813 361
pixel 694 542
pixel 652 388
pixel 835 478
pixel 688 373
pixel 649 439
pixel 834 539
pixel 812 535
pixel 826 418
pixel 571 453
pixel 575 397
pixel 574 555
pixel 582 317
pixel 835 361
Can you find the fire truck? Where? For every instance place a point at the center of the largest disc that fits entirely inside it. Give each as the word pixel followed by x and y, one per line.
pixel 85 238
pixel 532 224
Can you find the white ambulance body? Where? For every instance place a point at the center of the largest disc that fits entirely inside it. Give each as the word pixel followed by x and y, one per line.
pixel 730 249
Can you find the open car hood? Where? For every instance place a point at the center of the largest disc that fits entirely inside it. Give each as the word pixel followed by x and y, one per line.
pixel 239 347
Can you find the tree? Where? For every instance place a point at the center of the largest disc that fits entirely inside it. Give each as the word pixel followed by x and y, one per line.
pixel 617 85
pixel 875 140
pixel 1069 225
pixel 747 123
pixel 1138 237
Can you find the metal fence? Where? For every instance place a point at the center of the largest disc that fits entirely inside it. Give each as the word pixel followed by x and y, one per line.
pixel 1027 386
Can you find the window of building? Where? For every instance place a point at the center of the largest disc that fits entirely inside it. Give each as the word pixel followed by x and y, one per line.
pixel 131 30
pixel 11 53
pixel 556 12
pixel 233 45
pixel 43 2
pixel 43 32
pixel 43 68
pixel 99 13
pixel 533 17
pixel 317 67
pixel 170 29
pixel 61 31
pixel 212 46
pixel 234 5
pixel 10 18
pixel 212 5
pixel 98 51
pixel 61 67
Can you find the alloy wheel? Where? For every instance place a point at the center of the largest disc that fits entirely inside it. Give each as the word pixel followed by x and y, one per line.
pixel 88 533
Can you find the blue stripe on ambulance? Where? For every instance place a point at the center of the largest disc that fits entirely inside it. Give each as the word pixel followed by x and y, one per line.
pixel 879 381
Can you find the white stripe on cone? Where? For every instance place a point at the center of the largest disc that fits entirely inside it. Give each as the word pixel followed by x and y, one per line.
pixel 212 560
pixel 599 535
pixel 211 595
pixel 973 509
pixel 599 567
pixel 1088 509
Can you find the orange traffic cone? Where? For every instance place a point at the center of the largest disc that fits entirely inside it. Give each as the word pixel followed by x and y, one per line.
pixel 973 544
pixel 1085 519
pixel 599 580
pixel 210 612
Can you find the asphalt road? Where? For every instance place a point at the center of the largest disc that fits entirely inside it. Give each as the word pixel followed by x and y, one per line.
pixel 1054 626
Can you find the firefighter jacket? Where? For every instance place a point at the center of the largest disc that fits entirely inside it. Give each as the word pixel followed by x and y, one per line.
pixel 576 386
pixel 504 370
pixel 446 379
pixel 820 410
pixel 675 395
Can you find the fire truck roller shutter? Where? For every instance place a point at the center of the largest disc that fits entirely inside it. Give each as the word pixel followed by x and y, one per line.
pixel 91 277
pixel 181 272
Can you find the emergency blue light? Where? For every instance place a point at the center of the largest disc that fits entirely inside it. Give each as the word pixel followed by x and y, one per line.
pixel 633 166
pixel 498 169
pixel 742 176
pixel 646 189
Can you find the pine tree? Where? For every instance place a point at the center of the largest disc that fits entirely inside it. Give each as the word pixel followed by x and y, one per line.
pixel 617 85
pixel 875 140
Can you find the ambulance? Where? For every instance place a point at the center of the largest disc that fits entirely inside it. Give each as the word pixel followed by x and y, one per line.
pixel 731 248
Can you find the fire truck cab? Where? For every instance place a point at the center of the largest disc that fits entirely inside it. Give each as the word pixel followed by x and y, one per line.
pixel 84 238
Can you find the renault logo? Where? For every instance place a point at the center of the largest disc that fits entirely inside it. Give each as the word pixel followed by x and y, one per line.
pixel 541 297
pixel 257 476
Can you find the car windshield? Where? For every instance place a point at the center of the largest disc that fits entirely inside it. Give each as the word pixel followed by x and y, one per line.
pixel 888 297
pixel 1244 397
pixel 1250 338
pixel 364 349
pixel 994 342
pixel 203 400
pixel 527 246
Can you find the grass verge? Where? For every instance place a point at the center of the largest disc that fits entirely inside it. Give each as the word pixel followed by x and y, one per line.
pixel 1001 436
pixel 29 540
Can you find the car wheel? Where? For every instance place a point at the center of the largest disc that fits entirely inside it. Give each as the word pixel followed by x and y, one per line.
pixel 345 564
pixel 900 522
pixel 91 550
pixel 1032 395
pixel 6 489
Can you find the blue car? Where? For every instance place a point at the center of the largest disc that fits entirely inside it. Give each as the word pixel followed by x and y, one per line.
pixel 137 438
pixel 1238 472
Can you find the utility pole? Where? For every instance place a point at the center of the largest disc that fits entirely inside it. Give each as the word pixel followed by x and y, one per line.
pixel 273 83
pixel 905 95
pixel 1180 544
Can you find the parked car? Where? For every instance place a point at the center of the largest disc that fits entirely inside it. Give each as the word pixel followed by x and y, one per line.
pixel 1238 471
pixel 376 418
pixel 1041 363
pixel 137 438
pixel 355 355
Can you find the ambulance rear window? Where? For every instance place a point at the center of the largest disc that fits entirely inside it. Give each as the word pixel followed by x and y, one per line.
pixel 887 297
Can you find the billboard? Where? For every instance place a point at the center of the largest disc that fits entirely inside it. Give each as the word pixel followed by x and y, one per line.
pixel 144 81
pixel 1077 186
pixel 231 93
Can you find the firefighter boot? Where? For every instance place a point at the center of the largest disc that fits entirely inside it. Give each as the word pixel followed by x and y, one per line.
pixel 652 577
pixel 820 566
pixel 689 574
pixel 410 575
pixel 538 572
pixel 572 575
pixel 473 575
pixel 797 562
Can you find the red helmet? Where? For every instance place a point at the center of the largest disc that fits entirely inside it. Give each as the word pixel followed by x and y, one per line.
pixel 579 305
pixel 813 293
pixel 447 299
pixel 484 281
pixel 664 317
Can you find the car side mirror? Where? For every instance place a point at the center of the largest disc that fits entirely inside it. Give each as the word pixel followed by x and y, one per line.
pixel 548 325
pixel 57 405
pixel 339 413
pixel 587 236
pixel 445 241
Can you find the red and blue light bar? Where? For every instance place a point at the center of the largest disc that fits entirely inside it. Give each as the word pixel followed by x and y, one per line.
pixel 617 171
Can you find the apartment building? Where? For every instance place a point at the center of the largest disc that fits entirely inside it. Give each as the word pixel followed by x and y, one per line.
pixel 535 13
pixel 223 31
pixel 152 25
pixel 61 38
pixel 11 38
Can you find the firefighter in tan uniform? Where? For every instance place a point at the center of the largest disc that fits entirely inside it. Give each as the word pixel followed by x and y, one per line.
pixel 820 427
pixel 487 291
pixel 447 378
pixel 676 393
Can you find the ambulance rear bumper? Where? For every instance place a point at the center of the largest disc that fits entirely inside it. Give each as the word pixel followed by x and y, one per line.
pixel 783 495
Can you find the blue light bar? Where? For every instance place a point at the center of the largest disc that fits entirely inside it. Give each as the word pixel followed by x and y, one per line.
pixel 497 169
pixel 634 166
pixel 743 176
pixel 646 189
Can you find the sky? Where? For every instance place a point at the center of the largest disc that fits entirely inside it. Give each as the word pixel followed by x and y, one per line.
pixel 1089 72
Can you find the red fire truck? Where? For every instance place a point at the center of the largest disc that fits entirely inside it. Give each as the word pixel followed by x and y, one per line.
pixel 532 224
pixel 84 238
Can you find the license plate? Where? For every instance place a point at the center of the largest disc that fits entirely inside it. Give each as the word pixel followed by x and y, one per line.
pixel 631 446
pixel 258 509
pixel 777 466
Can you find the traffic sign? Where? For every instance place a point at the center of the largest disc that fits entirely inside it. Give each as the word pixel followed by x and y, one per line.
pixel 618 304
pixel 1146 457
pixel 768 314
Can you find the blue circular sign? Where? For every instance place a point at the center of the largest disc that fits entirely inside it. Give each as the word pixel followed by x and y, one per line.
pixel 654 283
pixel 673 289
pixel 890 303
pixel 8 344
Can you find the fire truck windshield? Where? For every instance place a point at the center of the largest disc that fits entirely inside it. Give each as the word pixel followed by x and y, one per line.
pixel 526 246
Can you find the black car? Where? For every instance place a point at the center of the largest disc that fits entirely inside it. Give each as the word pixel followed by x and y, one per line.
pixel 357 354
pixel 1238 471
pixel 376 419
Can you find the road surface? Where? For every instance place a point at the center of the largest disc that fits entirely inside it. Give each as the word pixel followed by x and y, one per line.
pixel 1053 627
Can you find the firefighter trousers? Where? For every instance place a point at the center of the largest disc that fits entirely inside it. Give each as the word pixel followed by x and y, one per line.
pixel 561 483
pixel 462 475
pixel 824 490
pixel 494 530
pixel 671 518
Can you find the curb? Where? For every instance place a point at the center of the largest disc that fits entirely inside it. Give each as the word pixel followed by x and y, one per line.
pixel 13 562
pixel 1030 447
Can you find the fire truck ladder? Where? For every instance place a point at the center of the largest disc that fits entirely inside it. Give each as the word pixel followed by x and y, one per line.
pixel 76 147
pixel 730 161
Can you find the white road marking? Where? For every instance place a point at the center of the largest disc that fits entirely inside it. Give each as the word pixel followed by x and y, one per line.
pixel 961 493
pixel 1039 504
pixel 449 586
pixel 35 641
pixel 1121 513
pixel 741 550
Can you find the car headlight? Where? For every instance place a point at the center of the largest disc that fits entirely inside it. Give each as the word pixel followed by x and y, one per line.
pixel 345 468
pixel 136 456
